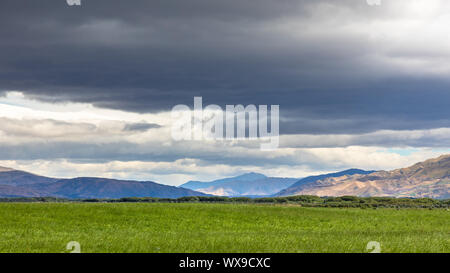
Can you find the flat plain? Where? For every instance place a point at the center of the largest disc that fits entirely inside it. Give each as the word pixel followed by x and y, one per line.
pixel 218 228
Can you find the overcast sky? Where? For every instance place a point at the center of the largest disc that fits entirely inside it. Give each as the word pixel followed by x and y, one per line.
pixel 87 91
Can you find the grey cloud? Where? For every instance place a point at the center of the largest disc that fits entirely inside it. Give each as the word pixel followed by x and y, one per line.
pixel 240 154
pixel 147 56
pixel 30 130
pixel 140 127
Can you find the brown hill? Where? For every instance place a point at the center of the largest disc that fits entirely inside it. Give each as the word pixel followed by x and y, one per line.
pixel 430 178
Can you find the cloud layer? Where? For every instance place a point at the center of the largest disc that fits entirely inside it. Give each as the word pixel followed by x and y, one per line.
pixel 357 85
pixel 367 68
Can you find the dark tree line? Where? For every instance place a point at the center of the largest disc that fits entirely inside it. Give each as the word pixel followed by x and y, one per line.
pixel 301 200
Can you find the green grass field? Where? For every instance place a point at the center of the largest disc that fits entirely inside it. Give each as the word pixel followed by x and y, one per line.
pixel 159 227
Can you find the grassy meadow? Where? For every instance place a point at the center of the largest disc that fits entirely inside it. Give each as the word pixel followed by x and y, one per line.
pixel 207 228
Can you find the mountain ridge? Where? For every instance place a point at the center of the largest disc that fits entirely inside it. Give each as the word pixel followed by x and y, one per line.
pixel 310 179
pixel 16 183
pixel 430 178
pixel 248 184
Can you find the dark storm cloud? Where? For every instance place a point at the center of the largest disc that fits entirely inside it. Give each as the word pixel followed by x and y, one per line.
pixel 147 56
pixel 141 127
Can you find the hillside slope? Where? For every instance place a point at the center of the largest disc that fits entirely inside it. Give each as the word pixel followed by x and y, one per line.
pixel 87 187
pixel 430 178
pixel 15 183
pixel 304 182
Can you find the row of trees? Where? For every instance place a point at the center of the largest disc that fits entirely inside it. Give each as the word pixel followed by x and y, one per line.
pixel 303 200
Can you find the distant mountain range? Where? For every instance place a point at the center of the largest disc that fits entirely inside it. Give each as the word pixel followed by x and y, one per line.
pixel 310 180
pixel 15 183
pixel 430 178
pixel 249 184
